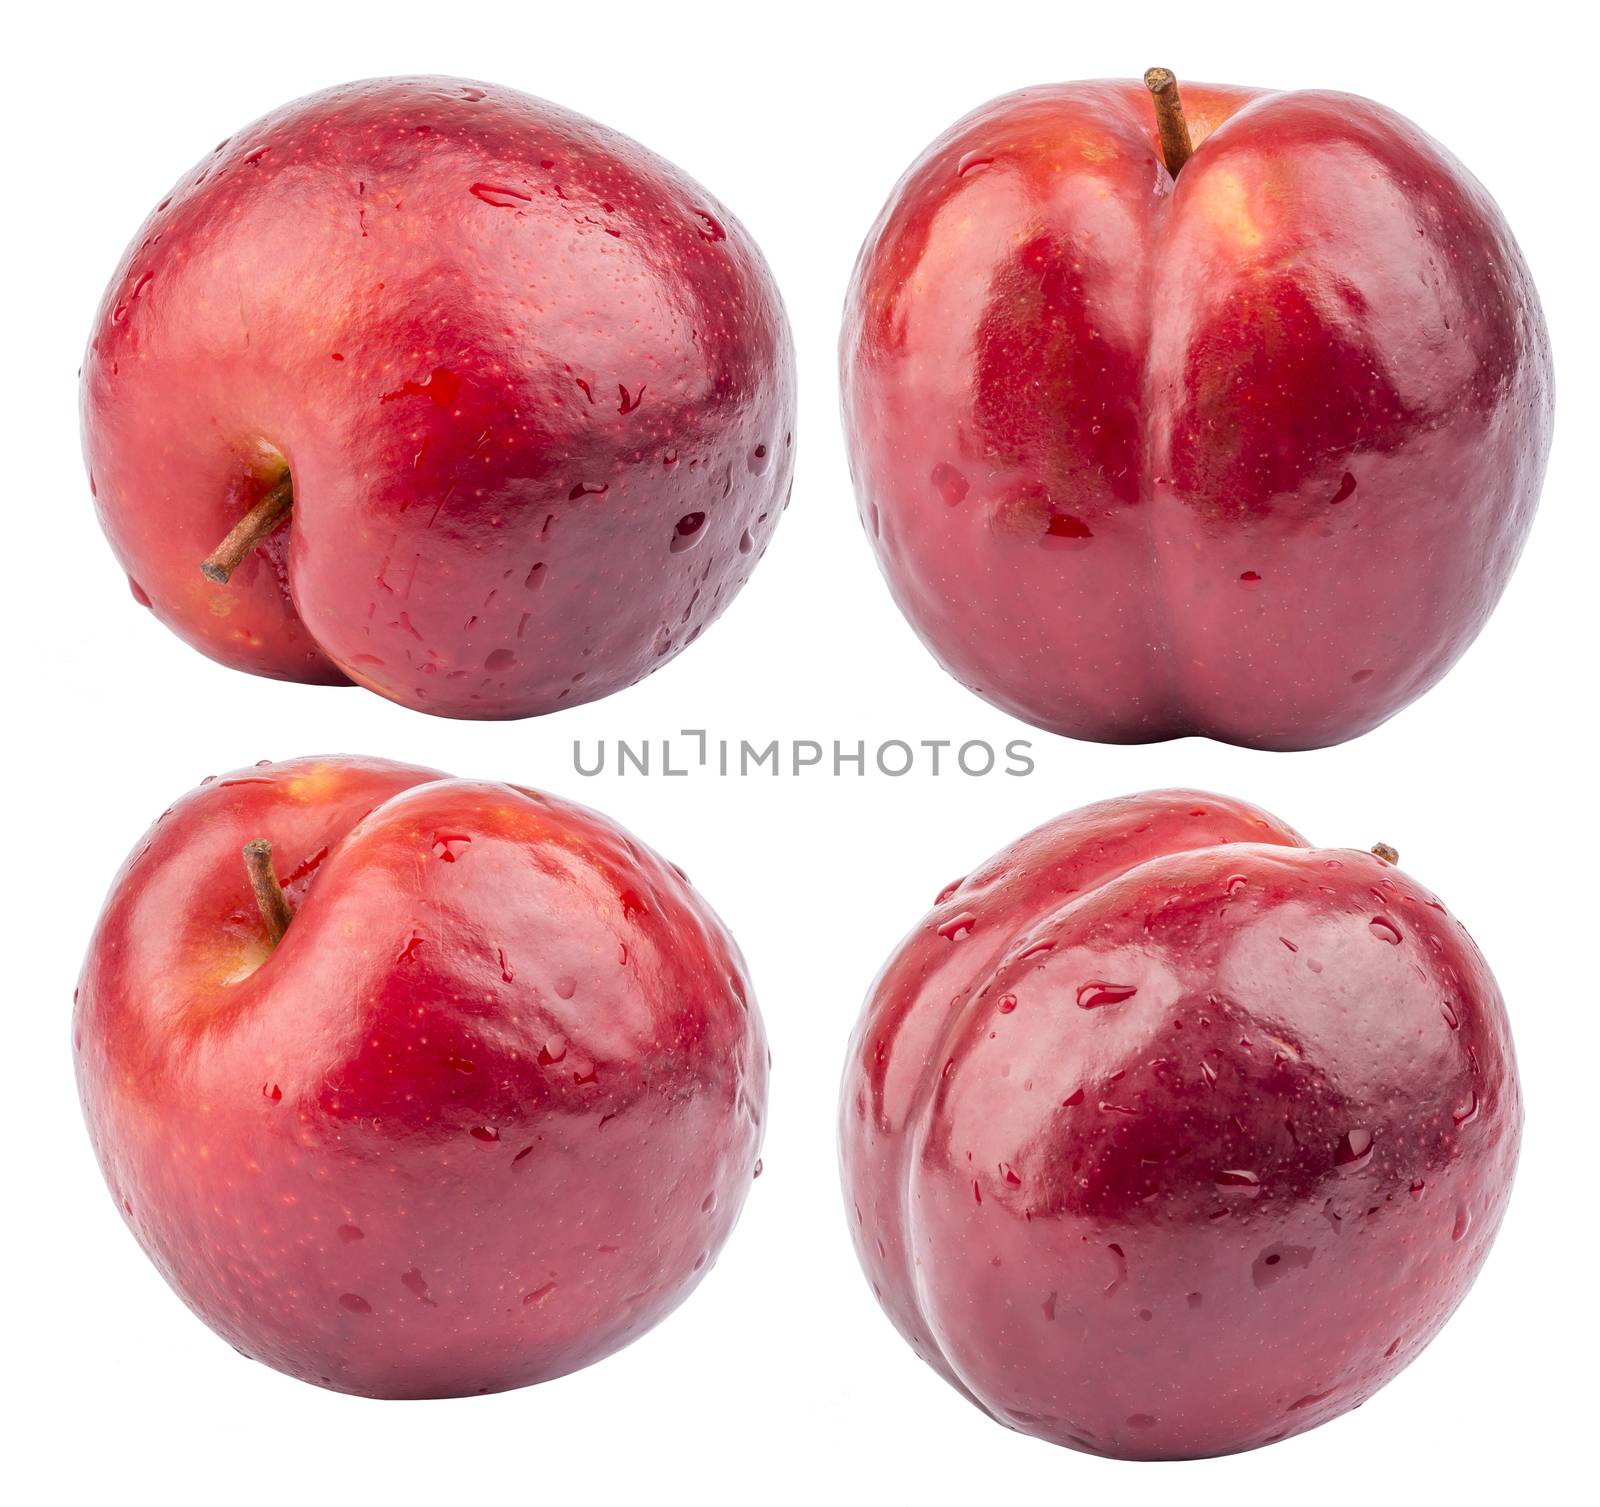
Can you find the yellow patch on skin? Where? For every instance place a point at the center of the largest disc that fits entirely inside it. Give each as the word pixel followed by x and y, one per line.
pixel 221 604
pixel 232 963
pixel 1225 203
pixel 314 784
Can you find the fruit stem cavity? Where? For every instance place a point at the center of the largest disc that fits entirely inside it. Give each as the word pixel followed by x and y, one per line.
pixel 266 516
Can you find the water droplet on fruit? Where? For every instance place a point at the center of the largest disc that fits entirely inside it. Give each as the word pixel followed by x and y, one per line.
pixel 1236 883
pixel 1361 677
pixel 972 161
pixel 498 660
pixel 1347 486
pixel 1278 1261
pixel 1063 531
pixel 708 1203
pixel 500 198
pixel 746 543
pixel 139 594
pixel 354 1302
pixel 1451 1019
pixel 759 458
pixel 441 385
pixel 566 986
pixel 1250 578
pixel 538 1295
pixel 1238 1183
pixel 758 1170
pixel 1008 1003
pixel 553 1051
pixel 415 1284
pixel 1354 1150
pixel 710 228
pixel 485 1133
pixel 949 483
pixel 1097 992
pixel 1385 930
pixel 1468 1112
pixel 448 847
pixel 588 489
pixel 350 1233
pixel 686 533
pixel 958 927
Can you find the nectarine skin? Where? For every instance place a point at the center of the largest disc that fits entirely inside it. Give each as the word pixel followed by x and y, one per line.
pixel 484 1115
pixel 1250 453
pixel 1166 1135
pixel 534 387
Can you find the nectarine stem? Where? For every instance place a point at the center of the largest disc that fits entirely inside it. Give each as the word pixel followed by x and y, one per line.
pixel 248 532
pixel 1385 852
pixel 270 899
pixel 1175 145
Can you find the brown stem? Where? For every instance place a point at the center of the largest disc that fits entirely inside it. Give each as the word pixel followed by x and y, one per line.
pixel 270 899
pixel 1175 145
pixel 249 531
pixel 1385 852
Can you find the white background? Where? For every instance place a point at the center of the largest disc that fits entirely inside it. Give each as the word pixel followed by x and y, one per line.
pixel 779 1378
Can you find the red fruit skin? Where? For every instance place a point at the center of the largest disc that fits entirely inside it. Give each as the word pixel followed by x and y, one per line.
pixel 509 357
pixel 1156 1146
pixel 485 1114
pixel 1250 454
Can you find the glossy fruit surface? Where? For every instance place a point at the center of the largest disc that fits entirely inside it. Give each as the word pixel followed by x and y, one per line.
pixel 485 1114
pixel 1166 1135
pixel 533 386
pixel 1248 453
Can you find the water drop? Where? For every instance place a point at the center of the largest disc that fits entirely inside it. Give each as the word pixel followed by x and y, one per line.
pixel 958 927
pixel 686 533
pixel 1063 531
pixel 949 483
pixel 1098 992
pixel 1239 1183
pixel 1385 930
pixel 1354 1150
pixel 553 1051
pixel 500 198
